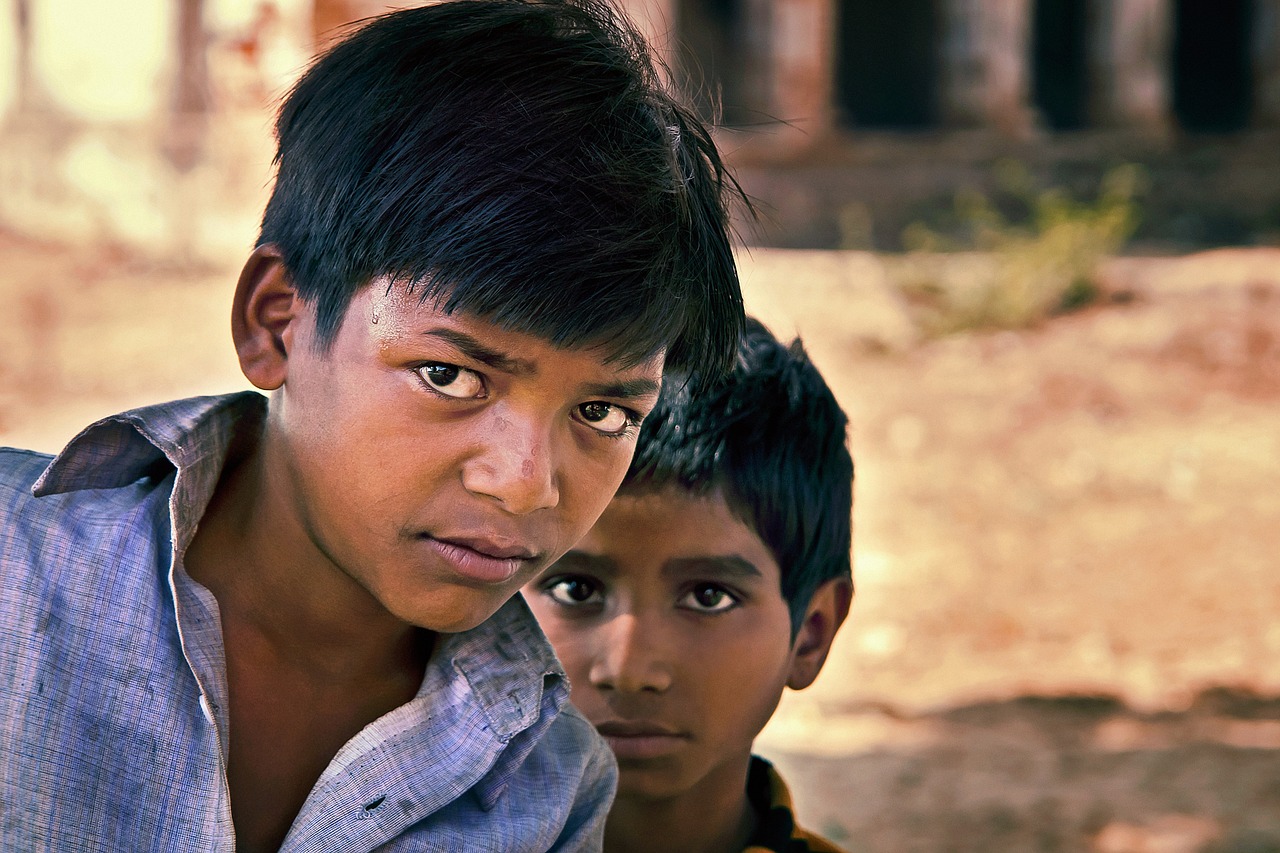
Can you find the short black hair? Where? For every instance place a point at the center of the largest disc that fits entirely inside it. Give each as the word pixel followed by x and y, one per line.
pixel 771 439
pixel 521 160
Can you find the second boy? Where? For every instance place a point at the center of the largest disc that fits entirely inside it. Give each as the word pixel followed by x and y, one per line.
pixel 717 577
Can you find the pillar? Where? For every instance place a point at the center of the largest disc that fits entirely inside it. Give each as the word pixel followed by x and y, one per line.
pixel 1266 64
pixel 801 67
pixel 1130 64
pixel 986 60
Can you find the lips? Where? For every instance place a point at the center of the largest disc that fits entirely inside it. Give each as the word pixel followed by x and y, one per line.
pixel 641 740
pixel 495 548
pixel 481 559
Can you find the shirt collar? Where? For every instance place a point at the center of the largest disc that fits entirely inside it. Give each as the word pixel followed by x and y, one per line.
pixel 506 660
pixel 150 441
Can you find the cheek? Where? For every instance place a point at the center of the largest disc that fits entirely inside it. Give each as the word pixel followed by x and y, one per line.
pixel 588 484
pixel 573 647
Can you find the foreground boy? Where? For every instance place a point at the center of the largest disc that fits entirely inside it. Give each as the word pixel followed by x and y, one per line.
pixel 234 623
pixel 718 575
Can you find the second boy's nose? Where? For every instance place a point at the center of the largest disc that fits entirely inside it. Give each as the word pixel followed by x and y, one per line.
pixel 516 467
pixel 631 659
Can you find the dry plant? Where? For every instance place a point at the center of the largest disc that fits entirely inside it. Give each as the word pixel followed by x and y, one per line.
pixel 1002 274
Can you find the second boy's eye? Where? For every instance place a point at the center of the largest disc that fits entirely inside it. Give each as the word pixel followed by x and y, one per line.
pixel 709 598
pixel 573 592
pixel 451 380
pixel 606 417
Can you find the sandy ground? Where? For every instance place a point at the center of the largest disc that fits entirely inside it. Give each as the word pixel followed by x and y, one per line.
pixel 1067 627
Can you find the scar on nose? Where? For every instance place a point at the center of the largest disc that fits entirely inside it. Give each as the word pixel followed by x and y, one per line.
pixel 500 424
pixel 526 468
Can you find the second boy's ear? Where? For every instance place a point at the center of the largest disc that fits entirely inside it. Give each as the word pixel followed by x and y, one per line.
pixel 827 610
pixel 263 315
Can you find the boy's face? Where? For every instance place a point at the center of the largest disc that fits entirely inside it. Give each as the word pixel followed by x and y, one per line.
pixel 670 621
pixel 440 461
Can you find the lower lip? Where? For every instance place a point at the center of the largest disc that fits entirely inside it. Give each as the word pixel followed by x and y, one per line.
pixel 475 566
pixel 643 746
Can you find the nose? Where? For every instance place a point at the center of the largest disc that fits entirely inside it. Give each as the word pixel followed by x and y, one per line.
pixel 631 658
pixel 515 466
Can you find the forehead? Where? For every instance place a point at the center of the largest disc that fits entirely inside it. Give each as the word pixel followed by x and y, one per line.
pixel 614 338
pixel 395 313
pixel 670 533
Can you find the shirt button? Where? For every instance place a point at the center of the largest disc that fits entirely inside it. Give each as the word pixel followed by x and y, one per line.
pixel 206 708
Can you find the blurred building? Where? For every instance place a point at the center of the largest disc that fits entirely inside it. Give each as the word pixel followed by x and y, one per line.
pixel 147 122
pixel 883 107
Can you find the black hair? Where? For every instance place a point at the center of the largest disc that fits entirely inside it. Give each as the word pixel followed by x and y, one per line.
pixel 521 160
pixel 771 439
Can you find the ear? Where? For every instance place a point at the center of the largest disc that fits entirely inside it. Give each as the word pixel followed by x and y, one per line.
pixel 826 612
pixel 264 315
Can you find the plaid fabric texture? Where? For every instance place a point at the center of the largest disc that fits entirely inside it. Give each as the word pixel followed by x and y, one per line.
pixel 113 721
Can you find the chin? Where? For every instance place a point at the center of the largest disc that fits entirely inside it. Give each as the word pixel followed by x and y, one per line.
pixel 649 784
pixel 452 614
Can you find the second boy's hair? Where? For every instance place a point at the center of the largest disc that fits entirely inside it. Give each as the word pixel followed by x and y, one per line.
pixel 517 159
pixel 773 440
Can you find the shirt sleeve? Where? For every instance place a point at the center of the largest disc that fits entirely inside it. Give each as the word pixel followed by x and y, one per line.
pixel 584 830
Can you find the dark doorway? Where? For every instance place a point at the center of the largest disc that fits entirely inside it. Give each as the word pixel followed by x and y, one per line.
pixel 1212 77
pixel 1060 83
pixel 712 36
pixel 887 63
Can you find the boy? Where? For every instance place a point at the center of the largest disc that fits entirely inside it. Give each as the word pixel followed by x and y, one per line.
pixel 252 624
pixel 718 575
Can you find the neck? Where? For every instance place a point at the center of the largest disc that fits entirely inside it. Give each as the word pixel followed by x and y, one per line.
pixel 712 817
pixel 270 578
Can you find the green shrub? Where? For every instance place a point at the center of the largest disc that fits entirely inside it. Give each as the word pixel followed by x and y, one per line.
pixel 1002 274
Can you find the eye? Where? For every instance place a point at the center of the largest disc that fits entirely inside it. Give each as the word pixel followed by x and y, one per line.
pixel 709 598
pixel 607 418
pixel 452 381
pixel 573 591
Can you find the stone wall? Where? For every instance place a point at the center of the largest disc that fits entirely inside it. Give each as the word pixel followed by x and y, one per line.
pixel 147 123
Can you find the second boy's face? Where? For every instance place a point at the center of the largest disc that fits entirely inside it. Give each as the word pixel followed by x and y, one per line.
pixel 670 622
pixel 440 461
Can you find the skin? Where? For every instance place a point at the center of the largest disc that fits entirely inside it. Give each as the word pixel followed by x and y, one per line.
pixel 670 621
pixel 408 481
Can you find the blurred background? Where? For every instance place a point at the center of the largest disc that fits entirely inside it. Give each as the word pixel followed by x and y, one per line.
pixel 1033 245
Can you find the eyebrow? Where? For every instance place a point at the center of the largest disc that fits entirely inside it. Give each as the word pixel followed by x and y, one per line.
pixel 624 389
pixel 477 351
pixel 725 566
pixel 588 562
pixel 728 566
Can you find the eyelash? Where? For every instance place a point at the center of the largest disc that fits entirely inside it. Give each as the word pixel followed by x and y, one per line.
pixel 551 584
pixel 598 590
pixel 734 598
pixel 633 418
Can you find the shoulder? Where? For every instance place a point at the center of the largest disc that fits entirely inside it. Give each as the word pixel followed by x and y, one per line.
pixel 777 830
pixel 19 470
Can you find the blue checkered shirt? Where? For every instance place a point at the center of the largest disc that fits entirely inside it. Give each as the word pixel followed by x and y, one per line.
pixel 113 713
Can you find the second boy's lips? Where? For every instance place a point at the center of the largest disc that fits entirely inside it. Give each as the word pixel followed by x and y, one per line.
pixel 633 741
pixel 626 728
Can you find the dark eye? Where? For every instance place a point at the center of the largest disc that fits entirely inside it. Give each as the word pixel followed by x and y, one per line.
pixel 572 592
pixel 451 380
pixel 709 598
pixel 605 417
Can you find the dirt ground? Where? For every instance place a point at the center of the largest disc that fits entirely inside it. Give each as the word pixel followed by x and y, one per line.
pixel 1066 635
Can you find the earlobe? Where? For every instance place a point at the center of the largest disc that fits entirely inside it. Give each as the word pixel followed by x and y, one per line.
pixel 263 315
pixel 826 612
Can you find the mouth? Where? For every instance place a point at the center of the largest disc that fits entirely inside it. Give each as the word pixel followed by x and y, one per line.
pixel 481 559
pixel 641 740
